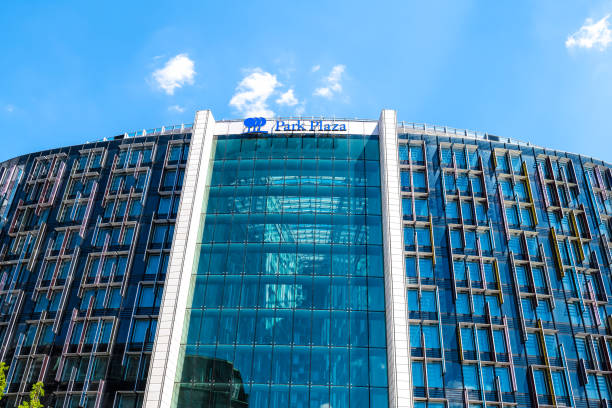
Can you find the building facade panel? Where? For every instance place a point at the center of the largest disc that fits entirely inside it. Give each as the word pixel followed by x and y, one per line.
pixel 314 263
pixel 85 239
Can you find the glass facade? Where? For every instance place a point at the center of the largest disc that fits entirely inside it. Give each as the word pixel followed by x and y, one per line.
pixel 85 239
pixel 508 273
pixel 287 306
pixel 500 250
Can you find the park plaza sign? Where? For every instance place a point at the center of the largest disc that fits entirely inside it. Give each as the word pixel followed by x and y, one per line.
pixel 310 125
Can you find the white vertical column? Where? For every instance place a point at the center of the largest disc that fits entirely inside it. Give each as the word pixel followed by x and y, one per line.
pixel 398 359
pixel 172 314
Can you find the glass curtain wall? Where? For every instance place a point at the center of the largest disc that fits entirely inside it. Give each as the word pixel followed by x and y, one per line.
pixel 287 300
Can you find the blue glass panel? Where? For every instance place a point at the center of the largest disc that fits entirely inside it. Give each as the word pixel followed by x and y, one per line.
pixel 434 375
pixel 417 374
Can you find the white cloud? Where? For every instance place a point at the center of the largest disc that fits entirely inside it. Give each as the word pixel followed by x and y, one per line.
pixel 10 108
pixel 178 71
pixel 591 35
pixel 288 98
pixel 176 108
pixel 315 68
pixel 333 85
pixel 252 93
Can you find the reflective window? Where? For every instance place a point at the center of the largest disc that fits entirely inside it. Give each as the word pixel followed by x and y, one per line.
pixel 288 296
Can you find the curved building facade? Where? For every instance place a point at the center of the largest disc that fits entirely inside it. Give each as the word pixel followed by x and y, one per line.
pixel 311 263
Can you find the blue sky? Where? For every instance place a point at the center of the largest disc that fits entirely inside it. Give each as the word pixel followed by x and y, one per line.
pixel 73 71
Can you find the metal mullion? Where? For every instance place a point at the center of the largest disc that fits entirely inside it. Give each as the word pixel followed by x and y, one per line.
pixel 566 378
pixel 433 244
pixel 423 146
pixel 131 254
pixel 65 292
pixel 547 361
pixel 85 321
pixel 37 244
pixel 604 194
pixel 452 264
pixel 92 359
pixel 594 302
pixel 530 271
pixel 41 272
pixel 479 365
pixel 499 283
pixel 440 330
pixel 503 212
pixel 480 262
pixel 92 197
pixel 549 288
pixel 425 376
pixel 66 344
pixel 519 302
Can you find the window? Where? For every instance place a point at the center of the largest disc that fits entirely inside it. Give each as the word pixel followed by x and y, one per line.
pixel 558 379
pixel 416 154
pixel 409 238
pixel 502 162
pixel 460 273
pixel 485 241
pixel 175 153
pixel 516 246
pixel 539 377
pixel 424 238
pixel 506 187
pixel 418 380
pixel 403 154
pixel 516 164
pixel 405 180
pixel 527 218
pixel 418 178
pixel 428 301
pixel 481 213
pixel 415 336
pixel 426 268
pixel 162 234
pixel 471 378
pixel 470 241
pixel 450 184
pixel 163 207
pixel 499 340
pixel 421 209
pixel 494 306
pixel 452 211
pixel 488 378
pixel 135 208
pixel 512 217
pixel 168 180
pixel 407 208
pixel 538 278
pixel 434 375
pixel 463 304
pixel 139 331
pixel 473 159
pixel 460 157
pixel 432 337
pixel 533 345
pixel 446 156
pixel 152 265
pixel 462 183
pixel 456 240
pixel 477 186
pixel 520 189
pixel 147 296
pixel 467 212
pixel 474 273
